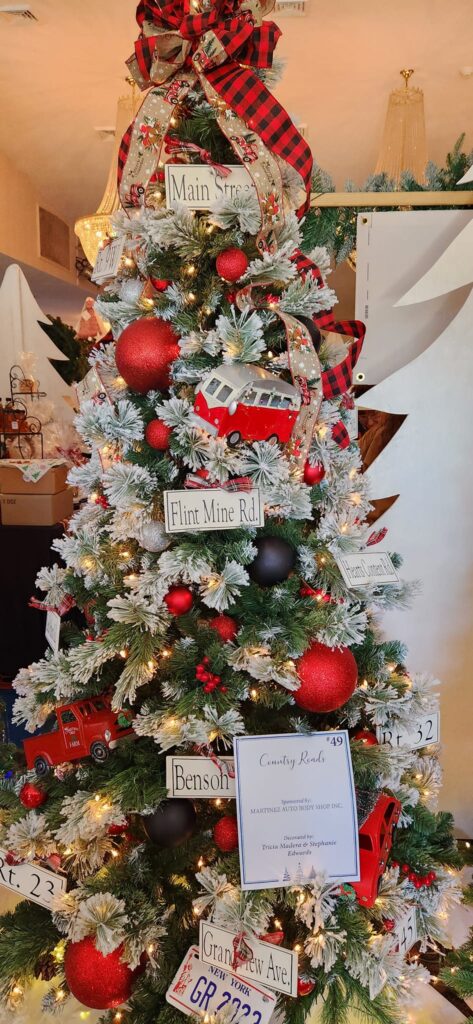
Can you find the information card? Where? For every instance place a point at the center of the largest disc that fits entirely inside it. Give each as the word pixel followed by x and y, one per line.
pixel 296 809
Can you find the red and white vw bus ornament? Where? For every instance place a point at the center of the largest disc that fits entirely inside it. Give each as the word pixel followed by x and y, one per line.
pixel 246 403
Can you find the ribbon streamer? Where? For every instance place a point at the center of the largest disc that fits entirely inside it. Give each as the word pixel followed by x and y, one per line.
pixel 242 952
pixel 67 603
pixel 174 50
pixel 174 146
pixel 238 483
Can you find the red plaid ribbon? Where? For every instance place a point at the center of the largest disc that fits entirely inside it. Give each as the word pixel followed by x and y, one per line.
pixel 242 952
pixel 177 146
pixel 237 41
pixel 238 483
pixel 66 604
pixel 337 379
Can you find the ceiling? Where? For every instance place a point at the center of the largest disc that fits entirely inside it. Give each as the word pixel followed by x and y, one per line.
pixel 62 75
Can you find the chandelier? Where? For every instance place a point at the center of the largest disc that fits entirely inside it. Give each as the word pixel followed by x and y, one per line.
pixel 404 146
pixel 94 229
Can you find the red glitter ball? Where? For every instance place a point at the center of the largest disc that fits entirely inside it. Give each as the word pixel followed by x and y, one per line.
pixel 98 981
pixel 328 678
pixel 232 264
pixel 226 834
pixel 157 435
pixel 144 353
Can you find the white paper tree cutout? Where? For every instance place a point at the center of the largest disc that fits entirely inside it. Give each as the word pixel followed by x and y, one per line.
pixel 428 463
pixel 20 332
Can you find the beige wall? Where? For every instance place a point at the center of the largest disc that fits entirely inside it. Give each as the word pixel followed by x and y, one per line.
pixel 19 231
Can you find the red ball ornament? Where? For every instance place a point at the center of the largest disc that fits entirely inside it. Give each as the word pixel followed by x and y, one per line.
pixel 226 627
pixel 32 796
pixel 144 353
pixel 305 986
pixel 232 264
pixel 226 834
pixel 179 600
pixel 388 924
pixel 328 678
pixel 157 435
pixel 313 474
pixel 98 981
pixel 366 737
pixel 160 283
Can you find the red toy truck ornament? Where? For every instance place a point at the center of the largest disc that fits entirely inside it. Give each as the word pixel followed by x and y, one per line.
pixel 376 837
pixel 246 403
pixel 86 728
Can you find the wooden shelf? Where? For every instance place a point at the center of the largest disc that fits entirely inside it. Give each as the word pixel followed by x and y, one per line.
pixel 363 200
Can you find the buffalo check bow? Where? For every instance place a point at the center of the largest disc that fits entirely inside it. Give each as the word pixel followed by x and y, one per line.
pixel 177 47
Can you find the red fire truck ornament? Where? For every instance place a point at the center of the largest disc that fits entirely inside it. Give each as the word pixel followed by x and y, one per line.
pixel 86 728
pixel 246 403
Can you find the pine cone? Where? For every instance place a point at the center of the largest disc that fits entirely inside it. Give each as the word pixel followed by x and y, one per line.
pixel 45 967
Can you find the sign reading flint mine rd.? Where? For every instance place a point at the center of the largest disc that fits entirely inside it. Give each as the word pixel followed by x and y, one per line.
pixel 212 509
pixel 198 186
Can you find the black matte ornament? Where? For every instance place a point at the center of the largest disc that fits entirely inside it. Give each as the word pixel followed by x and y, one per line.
pixel 274 562
pixel 171 824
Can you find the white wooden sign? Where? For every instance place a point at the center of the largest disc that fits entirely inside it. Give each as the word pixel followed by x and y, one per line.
pixel 200 777
pixel 422 732
pixel 198 186
pixel 31 881
pixel 273 966
pixel 91 389
pixel 108 261
pixel 202 991
pixel 366 568
pixel 52 631
pixel 406 931
pixel 212 509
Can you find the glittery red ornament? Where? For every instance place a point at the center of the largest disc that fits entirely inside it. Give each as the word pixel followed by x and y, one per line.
pixel 313 474
pixel 179 600
pixel 144 353
pixel 232 264
pixel 328 678
pixel 226 627
pixel 157 435
pixel 366 737
pixel 388 924
pixel 305 986
pixel 32 796
pixel 98 981
pixel 226 834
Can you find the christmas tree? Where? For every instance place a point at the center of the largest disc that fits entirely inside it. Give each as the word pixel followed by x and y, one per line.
pixel 211 562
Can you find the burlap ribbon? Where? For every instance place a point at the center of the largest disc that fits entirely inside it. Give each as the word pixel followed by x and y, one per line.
pixel 175 49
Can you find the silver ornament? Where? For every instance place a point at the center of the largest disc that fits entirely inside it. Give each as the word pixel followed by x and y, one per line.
pixel 130 290
pixel 153 537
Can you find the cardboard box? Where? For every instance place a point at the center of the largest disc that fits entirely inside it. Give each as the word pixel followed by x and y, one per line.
pixel 36 509
pixel 51 482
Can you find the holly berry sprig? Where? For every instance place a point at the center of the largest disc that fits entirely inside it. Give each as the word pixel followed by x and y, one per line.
pixel 210 679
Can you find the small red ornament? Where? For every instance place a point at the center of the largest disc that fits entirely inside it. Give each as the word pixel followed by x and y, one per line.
pixel 274 938
pixel 144 352
pixel 388 925
pixel 226 834
pixel 12 858
pixel 157 435
pixel 98 981
pixel 54 861
pixel 328 678
pixel 313 474
pixel 232 264
pixel 118 830
pixel 179 600
pixel 305 986
pixel 226 627
pixel 366 737
pixel 160 284
pixel 32 796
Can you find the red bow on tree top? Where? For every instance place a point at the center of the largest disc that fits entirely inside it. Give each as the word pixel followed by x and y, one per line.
pixel 212 46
